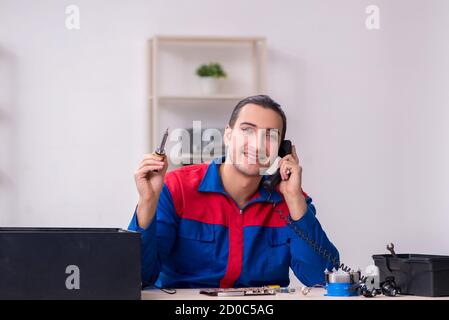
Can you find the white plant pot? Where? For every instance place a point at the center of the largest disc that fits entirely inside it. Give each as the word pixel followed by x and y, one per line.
pixel 209 85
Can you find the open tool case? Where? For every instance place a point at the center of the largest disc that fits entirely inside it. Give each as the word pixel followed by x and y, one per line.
pixel 416 274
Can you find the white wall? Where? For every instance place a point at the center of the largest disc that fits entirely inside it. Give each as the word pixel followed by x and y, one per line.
pixel 367 109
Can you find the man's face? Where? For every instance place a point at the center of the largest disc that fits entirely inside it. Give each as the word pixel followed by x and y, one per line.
pixel 253 142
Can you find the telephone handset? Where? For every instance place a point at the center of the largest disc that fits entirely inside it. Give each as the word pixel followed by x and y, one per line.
pixel 284 149
pixel 270 184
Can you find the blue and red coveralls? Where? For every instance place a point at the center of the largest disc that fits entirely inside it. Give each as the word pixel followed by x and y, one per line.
pixel 200 237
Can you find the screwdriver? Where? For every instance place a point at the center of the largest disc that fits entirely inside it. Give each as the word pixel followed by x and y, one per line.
pixel 160 151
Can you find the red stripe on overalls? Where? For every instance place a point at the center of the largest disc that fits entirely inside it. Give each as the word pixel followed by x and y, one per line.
pixel 235 255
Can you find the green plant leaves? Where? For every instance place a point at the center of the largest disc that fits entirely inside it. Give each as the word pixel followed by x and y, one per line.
pixel 212 69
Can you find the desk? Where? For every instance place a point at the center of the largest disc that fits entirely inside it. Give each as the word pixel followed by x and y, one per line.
pixel 314 294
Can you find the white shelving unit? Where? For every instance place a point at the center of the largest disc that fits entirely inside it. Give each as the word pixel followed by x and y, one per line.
pixel 157 99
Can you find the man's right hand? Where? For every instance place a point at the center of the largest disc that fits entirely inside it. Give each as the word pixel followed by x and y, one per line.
pixel 149 178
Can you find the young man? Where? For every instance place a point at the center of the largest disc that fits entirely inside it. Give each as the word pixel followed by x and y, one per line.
pixel 214 225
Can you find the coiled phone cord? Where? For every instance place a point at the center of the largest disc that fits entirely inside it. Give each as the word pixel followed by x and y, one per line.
pixel 320 250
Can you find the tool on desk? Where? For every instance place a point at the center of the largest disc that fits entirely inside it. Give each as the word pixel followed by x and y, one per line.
pixel 280 289
pixel 340 283
pixel 250 291
pixel 166 290
pixel 160 151
pixel 390 247
pixel 305 290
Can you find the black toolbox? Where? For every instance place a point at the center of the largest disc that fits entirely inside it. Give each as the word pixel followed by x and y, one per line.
pixel 69 263
pixel 416 274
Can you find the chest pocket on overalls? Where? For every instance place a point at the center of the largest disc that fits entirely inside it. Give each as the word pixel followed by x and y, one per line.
pixel 279 247
pixel 195 247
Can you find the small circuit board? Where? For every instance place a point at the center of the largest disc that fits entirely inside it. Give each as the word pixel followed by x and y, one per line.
pixel 251 291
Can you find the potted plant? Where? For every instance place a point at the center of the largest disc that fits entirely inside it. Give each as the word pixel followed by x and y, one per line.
pixel 210 75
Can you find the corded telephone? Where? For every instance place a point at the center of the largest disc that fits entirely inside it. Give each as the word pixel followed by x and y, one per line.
pixel 270 184
pixel 342 282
